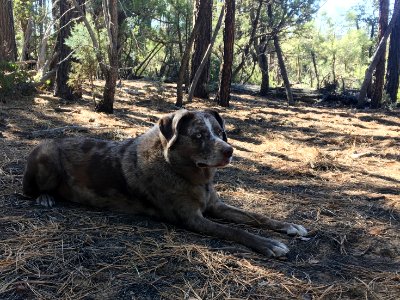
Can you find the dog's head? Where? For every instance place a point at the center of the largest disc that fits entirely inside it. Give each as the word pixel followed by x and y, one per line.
pixel 195 138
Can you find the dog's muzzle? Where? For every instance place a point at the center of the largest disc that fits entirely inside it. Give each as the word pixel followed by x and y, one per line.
pixel 226 151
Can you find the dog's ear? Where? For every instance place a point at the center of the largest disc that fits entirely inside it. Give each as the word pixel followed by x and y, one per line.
pixel 219 119
pixel 169 125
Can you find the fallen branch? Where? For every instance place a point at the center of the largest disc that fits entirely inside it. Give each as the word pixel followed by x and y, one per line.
pixel 45 77
pixel 44 132
pixel 359 155
pixel 77 128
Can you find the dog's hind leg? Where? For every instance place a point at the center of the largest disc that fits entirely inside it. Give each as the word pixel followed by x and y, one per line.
pixel 226 212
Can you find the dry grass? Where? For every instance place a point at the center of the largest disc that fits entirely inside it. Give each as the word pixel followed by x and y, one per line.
pixel 334 170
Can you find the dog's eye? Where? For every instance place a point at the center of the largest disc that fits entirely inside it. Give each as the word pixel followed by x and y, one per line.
pixel 198 135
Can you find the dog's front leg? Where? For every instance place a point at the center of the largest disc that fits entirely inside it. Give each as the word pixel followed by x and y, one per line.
pixel 268 247
pixel 219 210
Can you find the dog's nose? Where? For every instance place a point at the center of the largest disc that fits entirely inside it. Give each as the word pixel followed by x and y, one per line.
pixel 227 151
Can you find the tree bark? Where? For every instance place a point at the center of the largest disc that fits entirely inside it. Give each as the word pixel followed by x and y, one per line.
pixel 27 34
pixel 282 67
pixel 281 61
pixel 371 37
pixel 41 61
pixel 315 68
pixel 298 65
pixel 334 68
pixel 184 62
pixel 110 72
pixel 149 60
pixel 67 14
pixel 393 67
pixel 203 12
pixel 206 57
pixel 376 56
pixel 8 47
pixel 110 9
pixel 246 49
pixel 376 99
pixel 263 64
pixel 224 90
pixel 146 59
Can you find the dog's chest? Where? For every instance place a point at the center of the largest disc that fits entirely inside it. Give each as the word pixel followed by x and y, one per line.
pixel 204 196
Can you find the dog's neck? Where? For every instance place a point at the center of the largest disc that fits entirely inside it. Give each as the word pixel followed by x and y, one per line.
pixel 187 170
pixel 195 175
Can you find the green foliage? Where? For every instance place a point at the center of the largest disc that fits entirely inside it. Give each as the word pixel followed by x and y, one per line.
pixel 344 56
pixel 149 24
pixel 85 65
pixel 13 78
pixel 164 25
pixel 215 65
pixel 23 9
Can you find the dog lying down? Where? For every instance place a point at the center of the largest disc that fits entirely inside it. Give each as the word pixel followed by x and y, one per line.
pixel 166 173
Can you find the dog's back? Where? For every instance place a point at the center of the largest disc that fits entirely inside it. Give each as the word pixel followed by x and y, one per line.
pixel 80 170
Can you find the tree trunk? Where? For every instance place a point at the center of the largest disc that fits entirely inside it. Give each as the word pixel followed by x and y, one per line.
pixel 281 61
pixel 146 59
pixel 203 12
pixel 376 100
pixel 282 67
pixel 224 90
pixel 371 37
pixel 315 68
pixel 246 50
pixel 246 80
pixel 263 63
pixel 110 9
pixel 67 14
pixel 206 56
pixel 149 60
pixel 299 65
pixel 334 67
pixel 26 24
pixel 27 34
pixel 378 52
pixel 8 47
pixel 184 62
pixel 393 67
pixel 41 61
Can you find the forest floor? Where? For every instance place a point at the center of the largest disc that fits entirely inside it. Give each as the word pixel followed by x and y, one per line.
pixel 334 170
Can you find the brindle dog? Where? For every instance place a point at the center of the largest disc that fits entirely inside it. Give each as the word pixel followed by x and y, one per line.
pixel 166 173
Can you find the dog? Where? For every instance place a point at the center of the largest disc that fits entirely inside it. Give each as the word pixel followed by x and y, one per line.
pixel 166 173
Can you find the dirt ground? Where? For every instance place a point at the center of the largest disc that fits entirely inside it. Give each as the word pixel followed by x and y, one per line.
pixel 334 170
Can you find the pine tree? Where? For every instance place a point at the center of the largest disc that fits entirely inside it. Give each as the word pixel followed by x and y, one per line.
pixel 8 48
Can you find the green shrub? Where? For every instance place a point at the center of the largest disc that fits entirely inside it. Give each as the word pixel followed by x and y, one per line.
pixel 85 65
pixel 14 79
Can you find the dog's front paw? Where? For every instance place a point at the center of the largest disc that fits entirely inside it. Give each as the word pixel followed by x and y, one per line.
pixel 45 200
pixel 294 229
pixel 273 248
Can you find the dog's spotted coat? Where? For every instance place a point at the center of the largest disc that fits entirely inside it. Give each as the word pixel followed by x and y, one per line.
pixel 166 173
